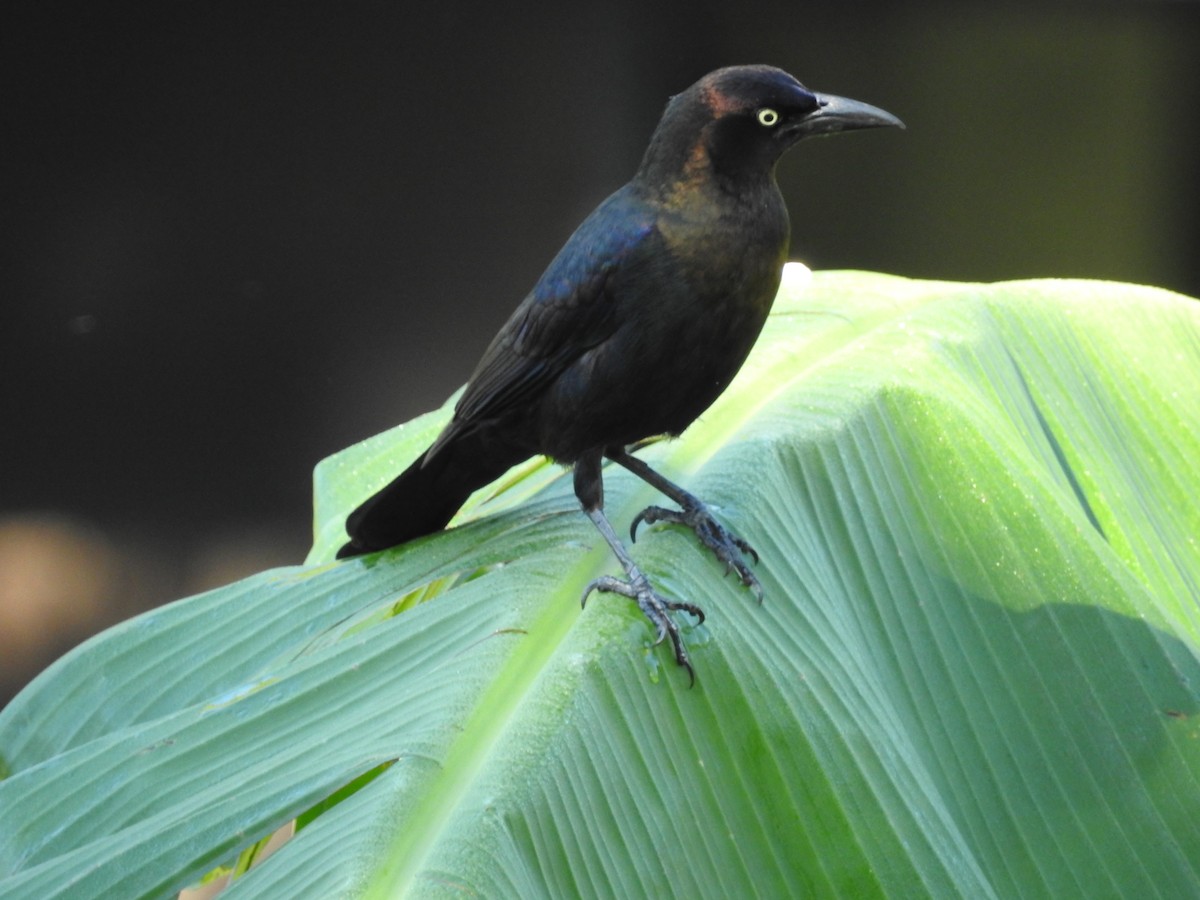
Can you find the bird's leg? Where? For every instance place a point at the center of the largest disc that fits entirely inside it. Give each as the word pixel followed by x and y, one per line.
pixel 589 488
pixel 694 513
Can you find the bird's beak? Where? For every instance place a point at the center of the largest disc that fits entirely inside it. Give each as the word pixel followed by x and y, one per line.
pixel 842 114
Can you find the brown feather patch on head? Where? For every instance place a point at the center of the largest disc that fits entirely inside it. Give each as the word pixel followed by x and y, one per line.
pixel 718 101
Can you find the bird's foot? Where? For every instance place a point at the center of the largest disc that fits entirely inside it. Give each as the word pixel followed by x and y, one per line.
pixel 725 545
pixel 654 606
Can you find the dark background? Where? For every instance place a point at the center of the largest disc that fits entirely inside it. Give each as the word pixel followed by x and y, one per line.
pixel 236 240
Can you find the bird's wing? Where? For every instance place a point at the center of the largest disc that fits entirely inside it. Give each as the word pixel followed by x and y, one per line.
pixel 569 311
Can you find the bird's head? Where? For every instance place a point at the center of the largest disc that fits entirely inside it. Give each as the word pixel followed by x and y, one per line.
pixel 736 122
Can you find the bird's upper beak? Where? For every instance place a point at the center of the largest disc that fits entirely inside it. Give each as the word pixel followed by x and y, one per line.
pixel 843 114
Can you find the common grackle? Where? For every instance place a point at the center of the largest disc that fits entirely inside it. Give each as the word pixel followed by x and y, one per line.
pixel 637 326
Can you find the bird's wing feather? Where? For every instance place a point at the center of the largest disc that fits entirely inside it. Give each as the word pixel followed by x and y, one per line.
pixel 569 311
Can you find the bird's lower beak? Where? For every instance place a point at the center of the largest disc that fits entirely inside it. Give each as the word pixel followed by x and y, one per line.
pixel 843 114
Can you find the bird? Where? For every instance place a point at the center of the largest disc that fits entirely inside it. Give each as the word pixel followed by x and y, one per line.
pixel 636 326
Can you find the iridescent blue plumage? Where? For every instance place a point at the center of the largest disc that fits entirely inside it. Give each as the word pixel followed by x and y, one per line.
pixel 569 311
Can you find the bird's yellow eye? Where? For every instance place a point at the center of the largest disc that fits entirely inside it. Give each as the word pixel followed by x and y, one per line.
pixel 767 117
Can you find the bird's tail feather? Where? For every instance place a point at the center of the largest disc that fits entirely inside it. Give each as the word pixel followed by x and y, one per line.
pixel 426 495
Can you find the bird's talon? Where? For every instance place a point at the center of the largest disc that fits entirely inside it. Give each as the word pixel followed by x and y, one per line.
pixel 654 606
pixel 609 585
pixel 681 657
pixel 727 547
pixel 745 547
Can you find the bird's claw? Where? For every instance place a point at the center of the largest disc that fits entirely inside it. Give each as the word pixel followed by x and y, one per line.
pixel 726 546
pixel 654 607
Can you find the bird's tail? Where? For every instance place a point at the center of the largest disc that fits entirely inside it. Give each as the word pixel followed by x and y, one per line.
pixel 426 495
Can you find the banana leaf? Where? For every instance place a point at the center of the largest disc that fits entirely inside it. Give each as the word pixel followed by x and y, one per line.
pixel 975 671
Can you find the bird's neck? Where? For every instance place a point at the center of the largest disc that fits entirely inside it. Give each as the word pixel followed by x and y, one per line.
pixel 681 175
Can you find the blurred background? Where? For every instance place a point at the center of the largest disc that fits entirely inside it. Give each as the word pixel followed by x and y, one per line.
pixel 237 239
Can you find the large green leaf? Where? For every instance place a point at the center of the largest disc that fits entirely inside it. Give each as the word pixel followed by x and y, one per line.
pixel 975 672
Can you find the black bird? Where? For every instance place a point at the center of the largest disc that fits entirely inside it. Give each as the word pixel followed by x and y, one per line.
pixel 637 326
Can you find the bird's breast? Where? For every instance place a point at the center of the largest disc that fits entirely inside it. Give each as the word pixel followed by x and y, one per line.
pixel 728 257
